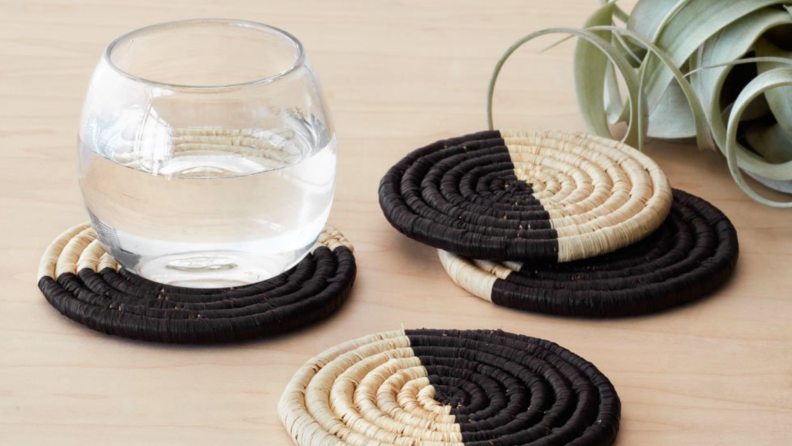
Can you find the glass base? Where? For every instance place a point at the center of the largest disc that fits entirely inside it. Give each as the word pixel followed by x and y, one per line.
pixel 210 269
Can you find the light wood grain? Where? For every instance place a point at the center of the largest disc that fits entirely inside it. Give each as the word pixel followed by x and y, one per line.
pixel 398 74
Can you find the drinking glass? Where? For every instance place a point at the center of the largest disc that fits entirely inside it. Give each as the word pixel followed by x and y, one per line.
pixel 207 154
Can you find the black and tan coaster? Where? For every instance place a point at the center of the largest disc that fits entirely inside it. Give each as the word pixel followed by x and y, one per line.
pixel 86 284
pixel 544 197
pixel 449 387
pixel 692 253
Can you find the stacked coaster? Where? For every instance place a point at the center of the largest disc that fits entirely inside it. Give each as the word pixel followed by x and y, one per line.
pixel 448 387
pixel 565 224
pixel 85 283
pixel 692 253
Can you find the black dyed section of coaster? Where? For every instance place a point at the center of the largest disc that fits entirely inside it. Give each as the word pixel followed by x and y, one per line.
pixel 123 304
pixel 692 254
pixel 462 195
pixel 507 389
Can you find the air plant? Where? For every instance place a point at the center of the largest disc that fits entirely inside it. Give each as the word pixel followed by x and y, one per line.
pixel 717 72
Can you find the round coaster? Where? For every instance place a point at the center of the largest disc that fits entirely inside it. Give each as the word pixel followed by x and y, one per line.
pixel 692 253
pixel 86 284
pixel 448 387
pixel 545 196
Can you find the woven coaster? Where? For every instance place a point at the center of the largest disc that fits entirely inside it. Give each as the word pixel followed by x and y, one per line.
pixel 86 284
pixel 448 387
pixel 692 253
pixel 542 196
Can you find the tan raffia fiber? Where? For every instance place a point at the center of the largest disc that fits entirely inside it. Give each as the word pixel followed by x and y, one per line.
pixel 77 249
pixel 50 258
pixel 70 256
pixel 466 276
pixel 333 238
pixel 95 258
pixel 601 195
pixel 476 276
pixel 371 391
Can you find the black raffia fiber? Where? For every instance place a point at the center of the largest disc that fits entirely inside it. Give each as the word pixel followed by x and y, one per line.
pixel 461 195
pixel 507 389
pixel 123 304
pixel 692 254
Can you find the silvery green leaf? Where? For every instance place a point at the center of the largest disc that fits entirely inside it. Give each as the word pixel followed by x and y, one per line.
pixel 720 54
pixel 672 119
pixel 770 141
pixel 598 64
pixel 779 98
pixel 757 109
pixel 699 117
pixel 739 157
pixel 614 105
pixel 590 89
pixel 688 25
pixel 780 186
pixel 649 15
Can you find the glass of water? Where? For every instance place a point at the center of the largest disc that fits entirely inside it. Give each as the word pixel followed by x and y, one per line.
pixel 207 154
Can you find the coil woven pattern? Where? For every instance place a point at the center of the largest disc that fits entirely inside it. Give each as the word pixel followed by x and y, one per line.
pixel 448 387
pixel 541 196
pixel 85 283
pixel 692 253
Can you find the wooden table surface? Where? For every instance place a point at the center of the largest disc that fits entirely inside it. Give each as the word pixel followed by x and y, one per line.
pixel 398 74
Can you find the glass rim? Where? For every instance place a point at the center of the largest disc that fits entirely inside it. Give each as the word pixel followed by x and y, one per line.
pixel 299 60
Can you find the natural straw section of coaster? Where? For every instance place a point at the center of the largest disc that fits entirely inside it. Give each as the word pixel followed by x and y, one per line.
pixel 692 253
pixel 545 196
pixel 85 283
pixel 449 387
